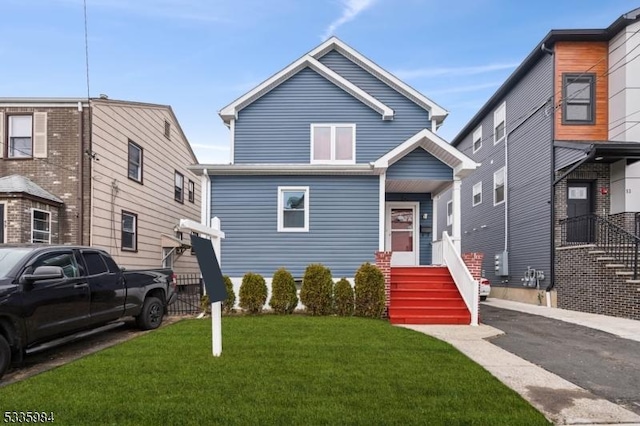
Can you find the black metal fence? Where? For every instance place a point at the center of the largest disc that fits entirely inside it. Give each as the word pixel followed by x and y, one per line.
pixel 190 290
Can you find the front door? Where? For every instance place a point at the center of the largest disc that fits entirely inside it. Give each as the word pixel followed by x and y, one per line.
pixel 402 233
pixel 579 204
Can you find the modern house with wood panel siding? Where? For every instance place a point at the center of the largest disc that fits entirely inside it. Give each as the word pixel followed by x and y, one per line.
pixel 98 172
pixel 554 205
pixel 335 161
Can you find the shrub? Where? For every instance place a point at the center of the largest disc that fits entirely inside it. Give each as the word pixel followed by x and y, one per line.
pixel 227 304
pixel 343 295
pixel 369 291
pixel 253 293
pixel 317 289
pixel 283 292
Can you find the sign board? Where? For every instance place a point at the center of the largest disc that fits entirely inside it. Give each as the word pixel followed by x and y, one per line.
pixel 210 269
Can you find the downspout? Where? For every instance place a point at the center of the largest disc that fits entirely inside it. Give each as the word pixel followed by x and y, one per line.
pixel 80 237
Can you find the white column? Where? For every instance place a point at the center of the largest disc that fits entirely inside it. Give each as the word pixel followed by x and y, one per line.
pixel 205 194
pixel 434 218
pixel 382 211
pixel 455 228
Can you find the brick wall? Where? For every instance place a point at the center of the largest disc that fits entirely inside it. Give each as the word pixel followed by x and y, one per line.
pixel 626 221
pixel 59 173
pixel 474 264
pixel 383 262
pixel 586 285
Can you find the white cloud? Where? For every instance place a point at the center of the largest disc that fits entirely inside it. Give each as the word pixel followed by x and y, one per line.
pixel 453 71
pixel 350 9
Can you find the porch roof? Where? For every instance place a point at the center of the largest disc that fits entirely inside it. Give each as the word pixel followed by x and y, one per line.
pixel 602 151
pixel 18 184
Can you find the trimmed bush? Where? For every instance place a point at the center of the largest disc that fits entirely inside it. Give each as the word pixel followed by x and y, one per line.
pixel 317 289
pixel 369 291
pixel 343 295
pixel 283 292
pixel 253 293
pixel 227 304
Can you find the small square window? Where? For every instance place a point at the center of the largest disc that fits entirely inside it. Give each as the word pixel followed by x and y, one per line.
pixel 167 129
pixel 499 120
pixel 178 187
pixel 135 162
pixel 333 143
pixel 578 98
pixel 498 187
pixel 293 209
pixel 191 191
pixel 477 139
pixel 129 235
pixel 449 213
pixel 20 136
pixel 40 226
pixel 477 193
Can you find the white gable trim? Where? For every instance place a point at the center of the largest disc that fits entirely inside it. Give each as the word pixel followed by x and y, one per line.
pixel 334 43
pixel 230 112
pixel 436 146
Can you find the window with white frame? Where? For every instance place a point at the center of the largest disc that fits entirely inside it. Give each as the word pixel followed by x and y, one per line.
pixel 135 162
pixel 191 190
pixel 449 213
pixel 499 123
pixel 40 226
pixel 333 143
pixel 477 193
pixel 178 187
pixel 20 140
pixel 498 187
pixel 477 139
pixel 293 209
pixel 129 236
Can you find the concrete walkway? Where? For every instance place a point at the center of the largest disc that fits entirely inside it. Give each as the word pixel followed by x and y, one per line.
pixel 560 401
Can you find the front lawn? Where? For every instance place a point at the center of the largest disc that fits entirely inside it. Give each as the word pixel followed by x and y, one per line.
pixel 274 370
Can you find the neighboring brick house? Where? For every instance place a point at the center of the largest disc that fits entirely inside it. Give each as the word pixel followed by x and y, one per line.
pixel 554 204
pixel 98 172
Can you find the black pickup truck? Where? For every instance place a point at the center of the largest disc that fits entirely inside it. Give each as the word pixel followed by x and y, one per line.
pixel 51 292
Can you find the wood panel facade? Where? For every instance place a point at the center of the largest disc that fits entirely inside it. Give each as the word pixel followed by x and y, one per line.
pixel 578 58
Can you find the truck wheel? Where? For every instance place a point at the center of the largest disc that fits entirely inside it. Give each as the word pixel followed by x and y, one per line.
pixel 5 355
pixel 151 315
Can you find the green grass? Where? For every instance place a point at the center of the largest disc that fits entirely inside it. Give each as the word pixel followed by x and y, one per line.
pixel 274 370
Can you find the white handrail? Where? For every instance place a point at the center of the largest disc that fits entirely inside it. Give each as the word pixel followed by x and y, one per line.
pixel 467 286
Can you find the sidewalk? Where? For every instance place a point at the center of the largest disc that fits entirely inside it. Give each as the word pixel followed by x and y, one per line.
pixel 560 401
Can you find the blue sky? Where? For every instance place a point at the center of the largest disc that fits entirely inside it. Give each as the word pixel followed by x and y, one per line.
pixel 199 55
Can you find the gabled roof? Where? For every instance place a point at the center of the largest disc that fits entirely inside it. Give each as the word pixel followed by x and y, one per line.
pixel 311 60
pixel 17 184
pixel 461 164
pixel 532 59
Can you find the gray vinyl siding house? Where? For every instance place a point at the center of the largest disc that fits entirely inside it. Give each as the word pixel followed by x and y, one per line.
pixel 326 155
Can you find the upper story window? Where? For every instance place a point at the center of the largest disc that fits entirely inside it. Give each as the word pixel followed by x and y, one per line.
pixel 293 209
pixel 20 136
pixel 191 190
pixel 333 143
pixel 167 129
pixel 135 162
pixel 178 192
pixel 498 187
pixel 477 139
pixel 499 123
pixel 578 98
pixel 477 193
pixel 40 226
pixel 449 213
pixel 129 235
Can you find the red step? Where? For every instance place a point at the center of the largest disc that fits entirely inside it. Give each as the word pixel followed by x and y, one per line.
pixel 410 302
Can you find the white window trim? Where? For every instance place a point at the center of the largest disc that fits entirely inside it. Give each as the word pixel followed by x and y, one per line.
pixel 135 231
pixel 499 116
pixel 477 189
pixel 504 184
pixel 133 145
pixel 333 127
pixel 449 216
pixel 281 227
pixel 32 218
pixel 477 135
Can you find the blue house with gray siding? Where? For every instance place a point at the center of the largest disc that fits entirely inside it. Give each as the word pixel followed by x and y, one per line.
pixel 332 160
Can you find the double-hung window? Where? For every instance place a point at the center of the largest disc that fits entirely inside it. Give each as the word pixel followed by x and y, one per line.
pixel 191 191
pixel 578 98
pixel 40 226
pixel 498 187
pixel 135 162
pixel 477 193
pixel 477 139
pixel 333 143
pixel 499 123
pixel 129 231
pixel 178 187
pixel 20 136
pixel 293 209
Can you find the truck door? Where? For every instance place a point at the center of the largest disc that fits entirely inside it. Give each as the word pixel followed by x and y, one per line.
pixel 58 306
pixel 106 286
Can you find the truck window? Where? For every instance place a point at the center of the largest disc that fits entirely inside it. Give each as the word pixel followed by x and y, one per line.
pixel 111 264
pixel 95 264
pixel 64 260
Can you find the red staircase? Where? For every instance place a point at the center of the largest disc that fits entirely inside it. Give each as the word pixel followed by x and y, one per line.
pixel 426 295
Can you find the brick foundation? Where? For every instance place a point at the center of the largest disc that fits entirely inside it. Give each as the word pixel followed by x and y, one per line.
pixel 383 262
pixel 474 264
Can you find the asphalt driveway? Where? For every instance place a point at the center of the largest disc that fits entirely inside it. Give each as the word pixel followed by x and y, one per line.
pixel 606 365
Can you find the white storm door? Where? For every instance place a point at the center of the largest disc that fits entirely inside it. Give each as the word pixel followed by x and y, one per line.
pixel 402 233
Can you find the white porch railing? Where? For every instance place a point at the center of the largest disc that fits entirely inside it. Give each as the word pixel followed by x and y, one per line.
pixel 467 286
pixel 436 253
